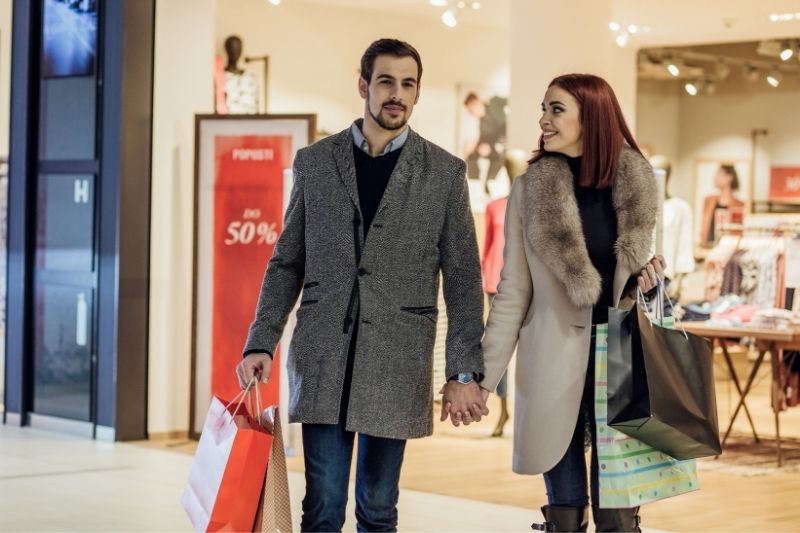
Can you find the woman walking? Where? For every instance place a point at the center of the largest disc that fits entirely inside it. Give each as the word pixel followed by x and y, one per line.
pixel 579 232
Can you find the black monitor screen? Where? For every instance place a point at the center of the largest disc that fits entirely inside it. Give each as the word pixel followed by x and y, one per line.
pixel 70 38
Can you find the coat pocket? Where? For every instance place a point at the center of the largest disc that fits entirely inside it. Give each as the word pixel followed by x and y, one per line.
pixel 431 313
pixel 311 284
pixel 306 303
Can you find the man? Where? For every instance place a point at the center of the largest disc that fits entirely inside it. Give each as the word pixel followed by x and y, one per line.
pixel 376 213
pixel 491 135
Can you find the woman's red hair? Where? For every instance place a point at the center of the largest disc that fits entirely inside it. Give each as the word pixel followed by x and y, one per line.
pixel 603 128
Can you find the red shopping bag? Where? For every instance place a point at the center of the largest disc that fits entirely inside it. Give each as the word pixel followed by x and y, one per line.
pixel 229 468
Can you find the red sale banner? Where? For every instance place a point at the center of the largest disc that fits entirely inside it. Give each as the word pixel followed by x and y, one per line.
pixel 248 214
pixel 784 184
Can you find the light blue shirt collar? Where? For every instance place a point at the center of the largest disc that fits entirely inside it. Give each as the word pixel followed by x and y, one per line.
pixel 361 142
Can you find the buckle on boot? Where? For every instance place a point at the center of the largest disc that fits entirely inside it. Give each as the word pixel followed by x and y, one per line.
pixel 547 526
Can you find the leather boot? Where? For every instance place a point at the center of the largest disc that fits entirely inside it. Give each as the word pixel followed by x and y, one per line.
pixel 563 519
pixel 627 520
pixel 498 430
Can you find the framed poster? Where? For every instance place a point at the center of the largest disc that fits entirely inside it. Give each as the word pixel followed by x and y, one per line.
pixel 714 181
pixel 481 142
pixel 784 185
pixel 243 178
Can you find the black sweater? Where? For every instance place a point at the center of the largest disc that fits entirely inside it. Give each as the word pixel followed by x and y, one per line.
pixel 599 221
pixel 372 174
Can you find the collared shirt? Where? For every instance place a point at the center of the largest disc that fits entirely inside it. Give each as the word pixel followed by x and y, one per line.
pixel 361 142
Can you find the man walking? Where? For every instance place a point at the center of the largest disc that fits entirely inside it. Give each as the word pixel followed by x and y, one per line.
pixel 376 213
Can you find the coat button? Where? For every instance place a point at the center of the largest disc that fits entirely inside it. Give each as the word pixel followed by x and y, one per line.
pixel 363 271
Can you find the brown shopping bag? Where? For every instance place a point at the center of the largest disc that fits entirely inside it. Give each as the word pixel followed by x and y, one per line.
pixel 275 512
pixel 226 480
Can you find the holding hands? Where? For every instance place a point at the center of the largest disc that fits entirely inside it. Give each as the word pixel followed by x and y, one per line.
pixel 463 402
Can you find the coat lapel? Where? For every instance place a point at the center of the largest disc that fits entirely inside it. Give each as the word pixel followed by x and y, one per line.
pixel 408 166
pixel 553 223
pixel 345 162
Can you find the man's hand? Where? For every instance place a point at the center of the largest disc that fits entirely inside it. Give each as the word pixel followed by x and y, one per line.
pixel 255 364
pixel 463 403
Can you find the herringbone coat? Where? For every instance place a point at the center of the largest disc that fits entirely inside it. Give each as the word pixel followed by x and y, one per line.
pixel 423 226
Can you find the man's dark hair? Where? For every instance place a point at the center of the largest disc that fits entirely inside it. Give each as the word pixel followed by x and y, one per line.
pixel 388 47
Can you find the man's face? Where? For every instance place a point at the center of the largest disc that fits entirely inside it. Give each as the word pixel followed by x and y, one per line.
pixel 391 94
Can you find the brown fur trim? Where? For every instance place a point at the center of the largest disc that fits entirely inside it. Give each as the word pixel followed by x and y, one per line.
pixel 553 223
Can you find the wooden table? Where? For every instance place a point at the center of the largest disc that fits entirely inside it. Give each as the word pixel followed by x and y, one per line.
pixel 771 341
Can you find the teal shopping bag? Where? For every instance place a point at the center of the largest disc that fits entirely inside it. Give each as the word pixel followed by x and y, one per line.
pixel 631 472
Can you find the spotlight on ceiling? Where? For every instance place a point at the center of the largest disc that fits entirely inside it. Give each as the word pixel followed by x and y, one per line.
pixel 622 39
pixel 774 78
pixel 691 88
pixel 786 52
pixel 614 26
pixel 723 70
pixel 710 88
pixel 674 67
pixel 275 2
pixel 751 73
pixel 438 3
pixel 476 5
pixel 450 18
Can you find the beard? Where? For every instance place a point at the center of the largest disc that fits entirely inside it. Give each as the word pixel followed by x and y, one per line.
pixel 387 124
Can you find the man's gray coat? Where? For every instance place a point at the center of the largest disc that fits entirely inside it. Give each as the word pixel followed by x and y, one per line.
pixel 390 282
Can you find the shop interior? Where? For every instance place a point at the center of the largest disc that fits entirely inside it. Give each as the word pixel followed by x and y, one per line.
pixel 710 90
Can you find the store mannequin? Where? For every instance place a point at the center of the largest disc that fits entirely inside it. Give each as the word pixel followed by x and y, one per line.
pixel 492 261
pixel 677 231
pixel 240 86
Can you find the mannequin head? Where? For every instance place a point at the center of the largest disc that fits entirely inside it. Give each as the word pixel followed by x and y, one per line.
pixel 233 49
pixel 475 105
pixel 726 179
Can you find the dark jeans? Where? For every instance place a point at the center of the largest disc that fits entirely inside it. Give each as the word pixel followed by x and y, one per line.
pixel 566 482
pixel 328 453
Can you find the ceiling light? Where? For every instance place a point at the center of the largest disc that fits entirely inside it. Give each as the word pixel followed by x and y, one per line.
pixel 710 87
pixel 691 88
pixel 622 39
pixel 438 3
pixel 774 78
pixel 751 73
pixel 787 52
pixel 784 17
pixel 613 26
pixel 449 18
pixel 633 28
pixel 673 67
pixel 461 5
pixel 476 5
pixel 722 70
pixel 275 2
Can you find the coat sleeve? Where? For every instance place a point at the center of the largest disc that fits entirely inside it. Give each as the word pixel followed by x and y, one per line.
pixel 461 274
pixel 285 272
pixel 513 299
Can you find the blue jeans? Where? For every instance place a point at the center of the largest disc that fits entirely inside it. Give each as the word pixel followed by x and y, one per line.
pixel 328 453
pixel 566 482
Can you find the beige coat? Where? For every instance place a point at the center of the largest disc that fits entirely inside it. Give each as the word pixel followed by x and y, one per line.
pixel 547 289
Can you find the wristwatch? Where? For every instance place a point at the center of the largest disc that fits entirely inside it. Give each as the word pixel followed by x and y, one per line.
pixel 463 377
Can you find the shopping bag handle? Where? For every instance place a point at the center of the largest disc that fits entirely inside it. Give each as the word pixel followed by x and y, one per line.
pixel 661 293
pixel 240 398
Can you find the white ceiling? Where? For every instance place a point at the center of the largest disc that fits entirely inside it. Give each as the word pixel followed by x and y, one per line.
pixel 672 22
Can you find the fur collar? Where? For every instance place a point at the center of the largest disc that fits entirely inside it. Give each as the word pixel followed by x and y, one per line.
pixel 553 223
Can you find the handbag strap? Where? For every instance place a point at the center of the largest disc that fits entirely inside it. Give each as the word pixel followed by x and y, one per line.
pixel 661 293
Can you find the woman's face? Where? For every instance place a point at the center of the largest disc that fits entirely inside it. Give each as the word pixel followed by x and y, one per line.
pixel 722 180
pixel 561 123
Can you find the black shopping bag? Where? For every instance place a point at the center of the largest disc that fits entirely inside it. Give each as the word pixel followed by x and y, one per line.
pixel 661 385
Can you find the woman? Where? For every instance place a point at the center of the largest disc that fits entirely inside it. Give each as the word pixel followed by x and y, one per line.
pixel 578 238
pixel 726 181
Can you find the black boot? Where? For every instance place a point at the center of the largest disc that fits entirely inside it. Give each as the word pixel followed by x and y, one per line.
pixel 563 519
pixel 616 519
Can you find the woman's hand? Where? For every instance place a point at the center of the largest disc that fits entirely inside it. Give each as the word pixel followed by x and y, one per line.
pixel 651 273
